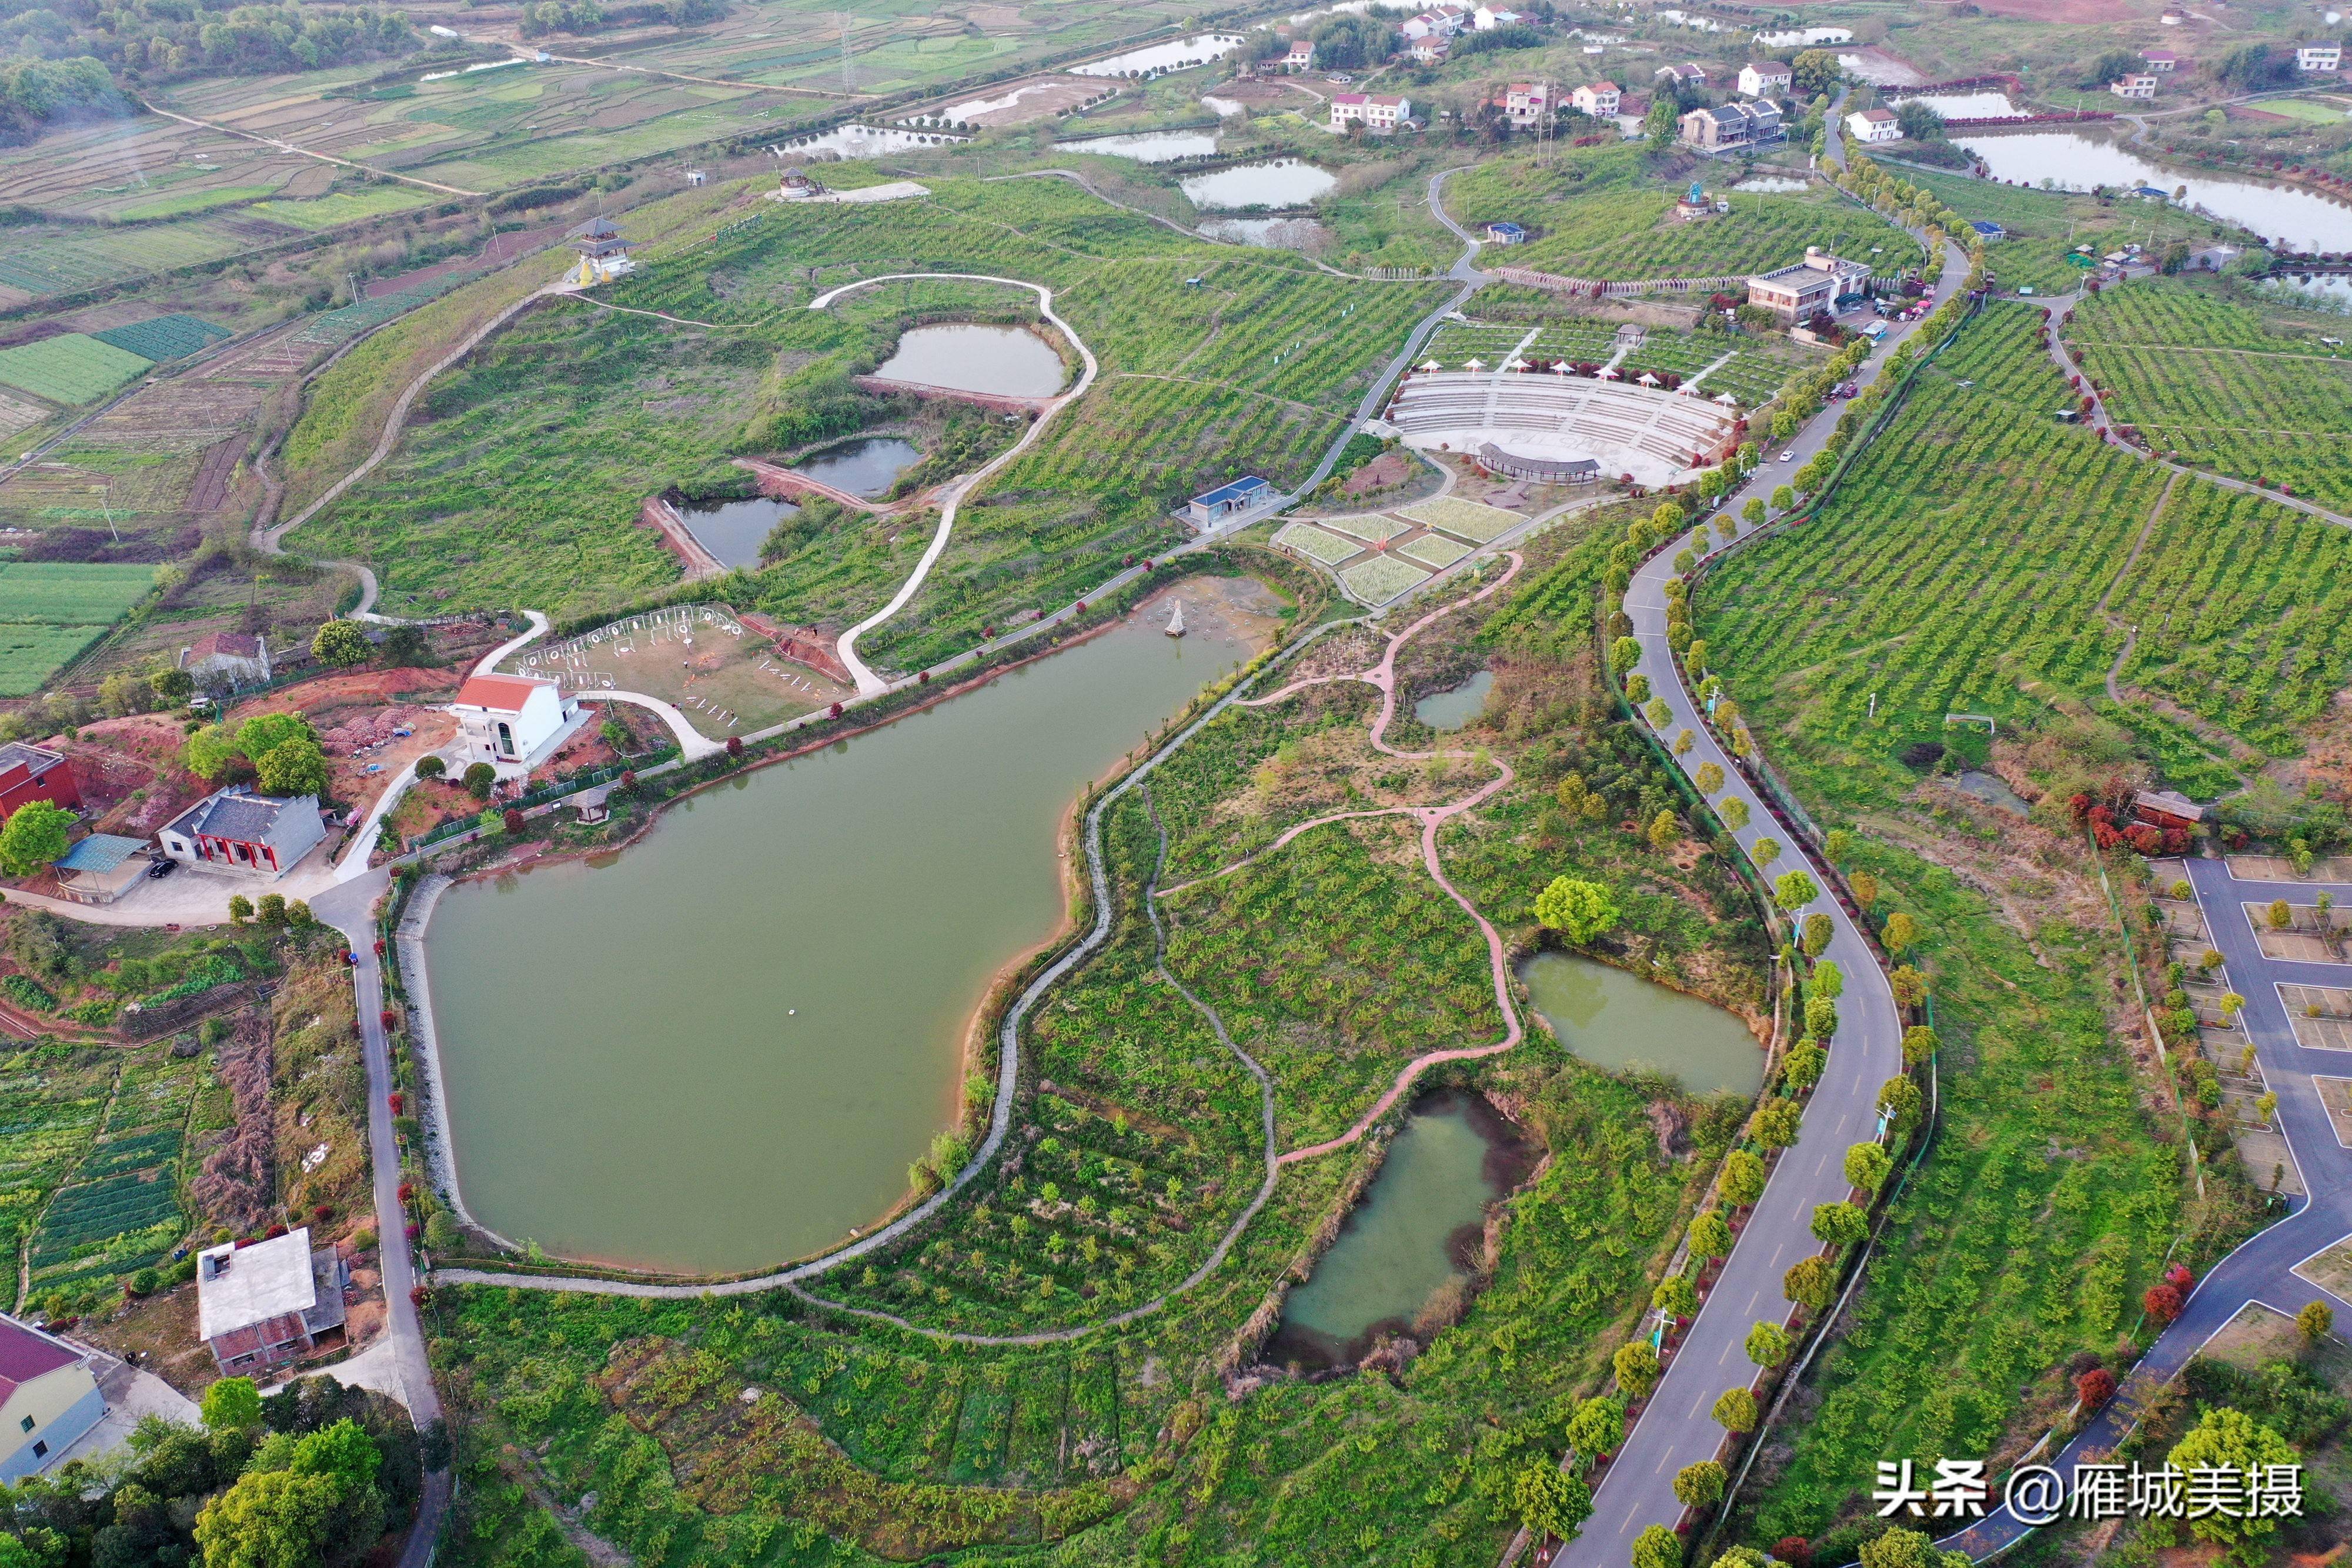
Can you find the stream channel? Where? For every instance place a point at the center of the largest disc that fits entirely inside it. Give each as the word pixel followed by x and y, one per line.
pixel 721 1048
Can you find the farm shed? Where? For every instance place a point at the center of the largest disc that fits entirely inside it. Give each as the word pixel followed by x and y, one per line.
pixel 1209 507
pixel 101 868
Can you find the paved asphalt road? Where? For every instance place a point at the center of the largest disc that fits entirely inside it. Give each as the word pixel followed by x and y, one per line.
pixel 2262 1270
pixel 1678 1427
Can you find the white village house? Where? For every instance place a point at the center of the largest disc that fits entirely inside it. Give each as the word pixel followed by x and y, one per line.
pixel 1598 100
pixel 1874 125
pixel 270 1302
pixel 237 829
pixel 227 659
pixel 1379 111
pixel 48 1399
pixel 514 723
pixel 1768 79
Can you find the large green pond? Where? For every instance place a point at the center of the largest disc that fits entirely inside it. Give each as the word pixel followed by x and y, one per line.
pixel 722 1048
pixel 1619 1020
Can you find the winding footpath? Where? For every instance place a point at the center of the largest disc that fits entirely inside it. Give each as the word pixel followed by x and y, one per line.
pixel 870 684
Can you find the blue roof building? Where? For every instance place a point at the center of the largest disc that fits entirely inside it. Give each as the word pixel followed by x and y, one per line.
pixel 1506 234
pixel 1988 231
pixel 1245 493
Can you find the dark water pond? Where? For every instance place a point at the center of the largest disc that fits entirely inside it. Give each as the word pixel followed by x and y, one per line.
pixel 1415 1232
pixel 1992 789
pixel 866 466
pixel 1617 1020
pixel 1457 706
pixel 734 531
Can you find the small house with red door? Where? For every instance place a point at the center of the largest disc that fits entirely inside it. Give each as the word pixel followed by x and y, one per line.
pixel 236 830
pixel 2167 808
pixel 33 773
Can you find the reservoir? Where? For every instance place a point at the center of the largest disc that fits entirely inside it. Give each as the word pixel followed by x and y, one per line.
pixel 2073 161
pixel 1415 1232
pixel 721 1048
pixel 1614 1019
pixel 1147 146
pixel 1008 361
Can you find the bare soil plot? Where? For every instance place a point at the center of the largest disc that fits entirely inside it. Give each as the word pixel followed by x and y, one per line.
pixel 2278 868
pixel 1470 520
pixel 2185 921
pixel 2300 942
pixel 724 677
pixel 1312 542
pixel 2336 1094
pixel 2321 1016
pixel 2330 1269
pixel 1382 578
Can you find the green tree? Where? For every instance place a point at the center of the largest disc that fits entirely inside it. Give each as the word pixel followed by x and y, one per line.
pixel 1900 1098
pixel 1821 1016
pixel 34 837
pixel 1580 911
pixel 1776 1123
pixel 2315 1322
pixel 1660 125
pixel 1752 514
pixel 1768 1343
pixel 1837 844
pixel 1636 1365
pixel 1764 852
pixel 210 752
pixel 240 909
pixel 1816 71
pixel 1711 1236
pixel 271 910
pixel 1675 1296
pixel 1907 1549
pixel 341 643
pixel 1664 830
pixel 2280 915
pixel 1919 1043
pixel 1865 887
pixel 1735 814
pixel 264 732
pixel 173 687
pixel 1549 1502
pixel 1828 980
pixel 1700 1485
pixel 1805 1064
pixel 407 646
pixel 1709 777
pixel 1810 1282
pixel 322 1509
pixel 296 767
pixel 1597 1428
pixel 1658 1547
pixel 1624 653
pixel 1818 932
pixel 232 1405
pixel 430 766
pixel 479 775
pixel 1783 497
pixel 1901 933
pixel 1743 1178
pixel 1794 891
pixel 1735 1411
pixel 1840 1223
pixel 1867 1166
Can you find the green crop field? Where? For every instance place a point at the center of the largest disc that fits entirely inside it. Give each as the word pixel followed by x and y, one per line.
pixel 2217 384
pixel 70 593
pixel 1598 214
pixel 72 368
pixel 161 337
pixel 30 654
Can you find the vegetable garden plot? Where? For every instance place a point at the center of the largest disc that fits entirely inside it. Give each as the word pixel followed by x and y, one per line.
pixel 1434 550
pixel 1316 545
pixel 1380 578
pixel 2188 763
pixel 161 337
pixel 1372 528
pixel 19 413
pixel 99 1216
pixel 1472 520
pixel 73 368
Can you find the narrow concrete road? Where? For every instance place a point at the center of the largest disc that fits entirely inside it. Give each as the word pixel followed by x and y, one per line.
pixel 347 908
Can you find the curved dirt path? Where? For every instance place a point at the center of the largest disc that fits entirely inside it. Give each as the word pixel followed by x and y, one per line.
pixel 870 684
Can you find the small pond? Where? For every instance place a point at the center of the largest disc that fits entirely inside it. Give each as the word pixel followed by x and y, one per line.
pixel 1149 146
pixel 1415 1232
pixel 1967 105
pixel 2327 290
pixel 2075 161
pixel 734 531
pixel 1274 233
pixel 866 466
pixel 1772 185
pixel 1992 789
pixel 1457 706
pixel 1197 50
pixel 1222 108
pixel 870 141
pixel 1009 361
pixel 1276 182
pixel 1614 1019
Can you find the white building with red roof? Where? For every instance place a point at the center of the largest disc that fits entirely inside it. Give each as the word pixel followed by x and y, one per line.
pixel 514 723
pixel 48 1399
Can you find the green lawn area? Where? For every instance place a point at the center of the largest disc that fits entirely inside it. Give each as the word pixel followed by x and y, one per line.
pixel 70 593
pixel 72 368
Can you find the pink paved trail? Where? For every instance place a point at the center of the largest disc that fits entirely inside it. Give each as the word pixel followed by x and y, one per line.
pixel 1382 675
